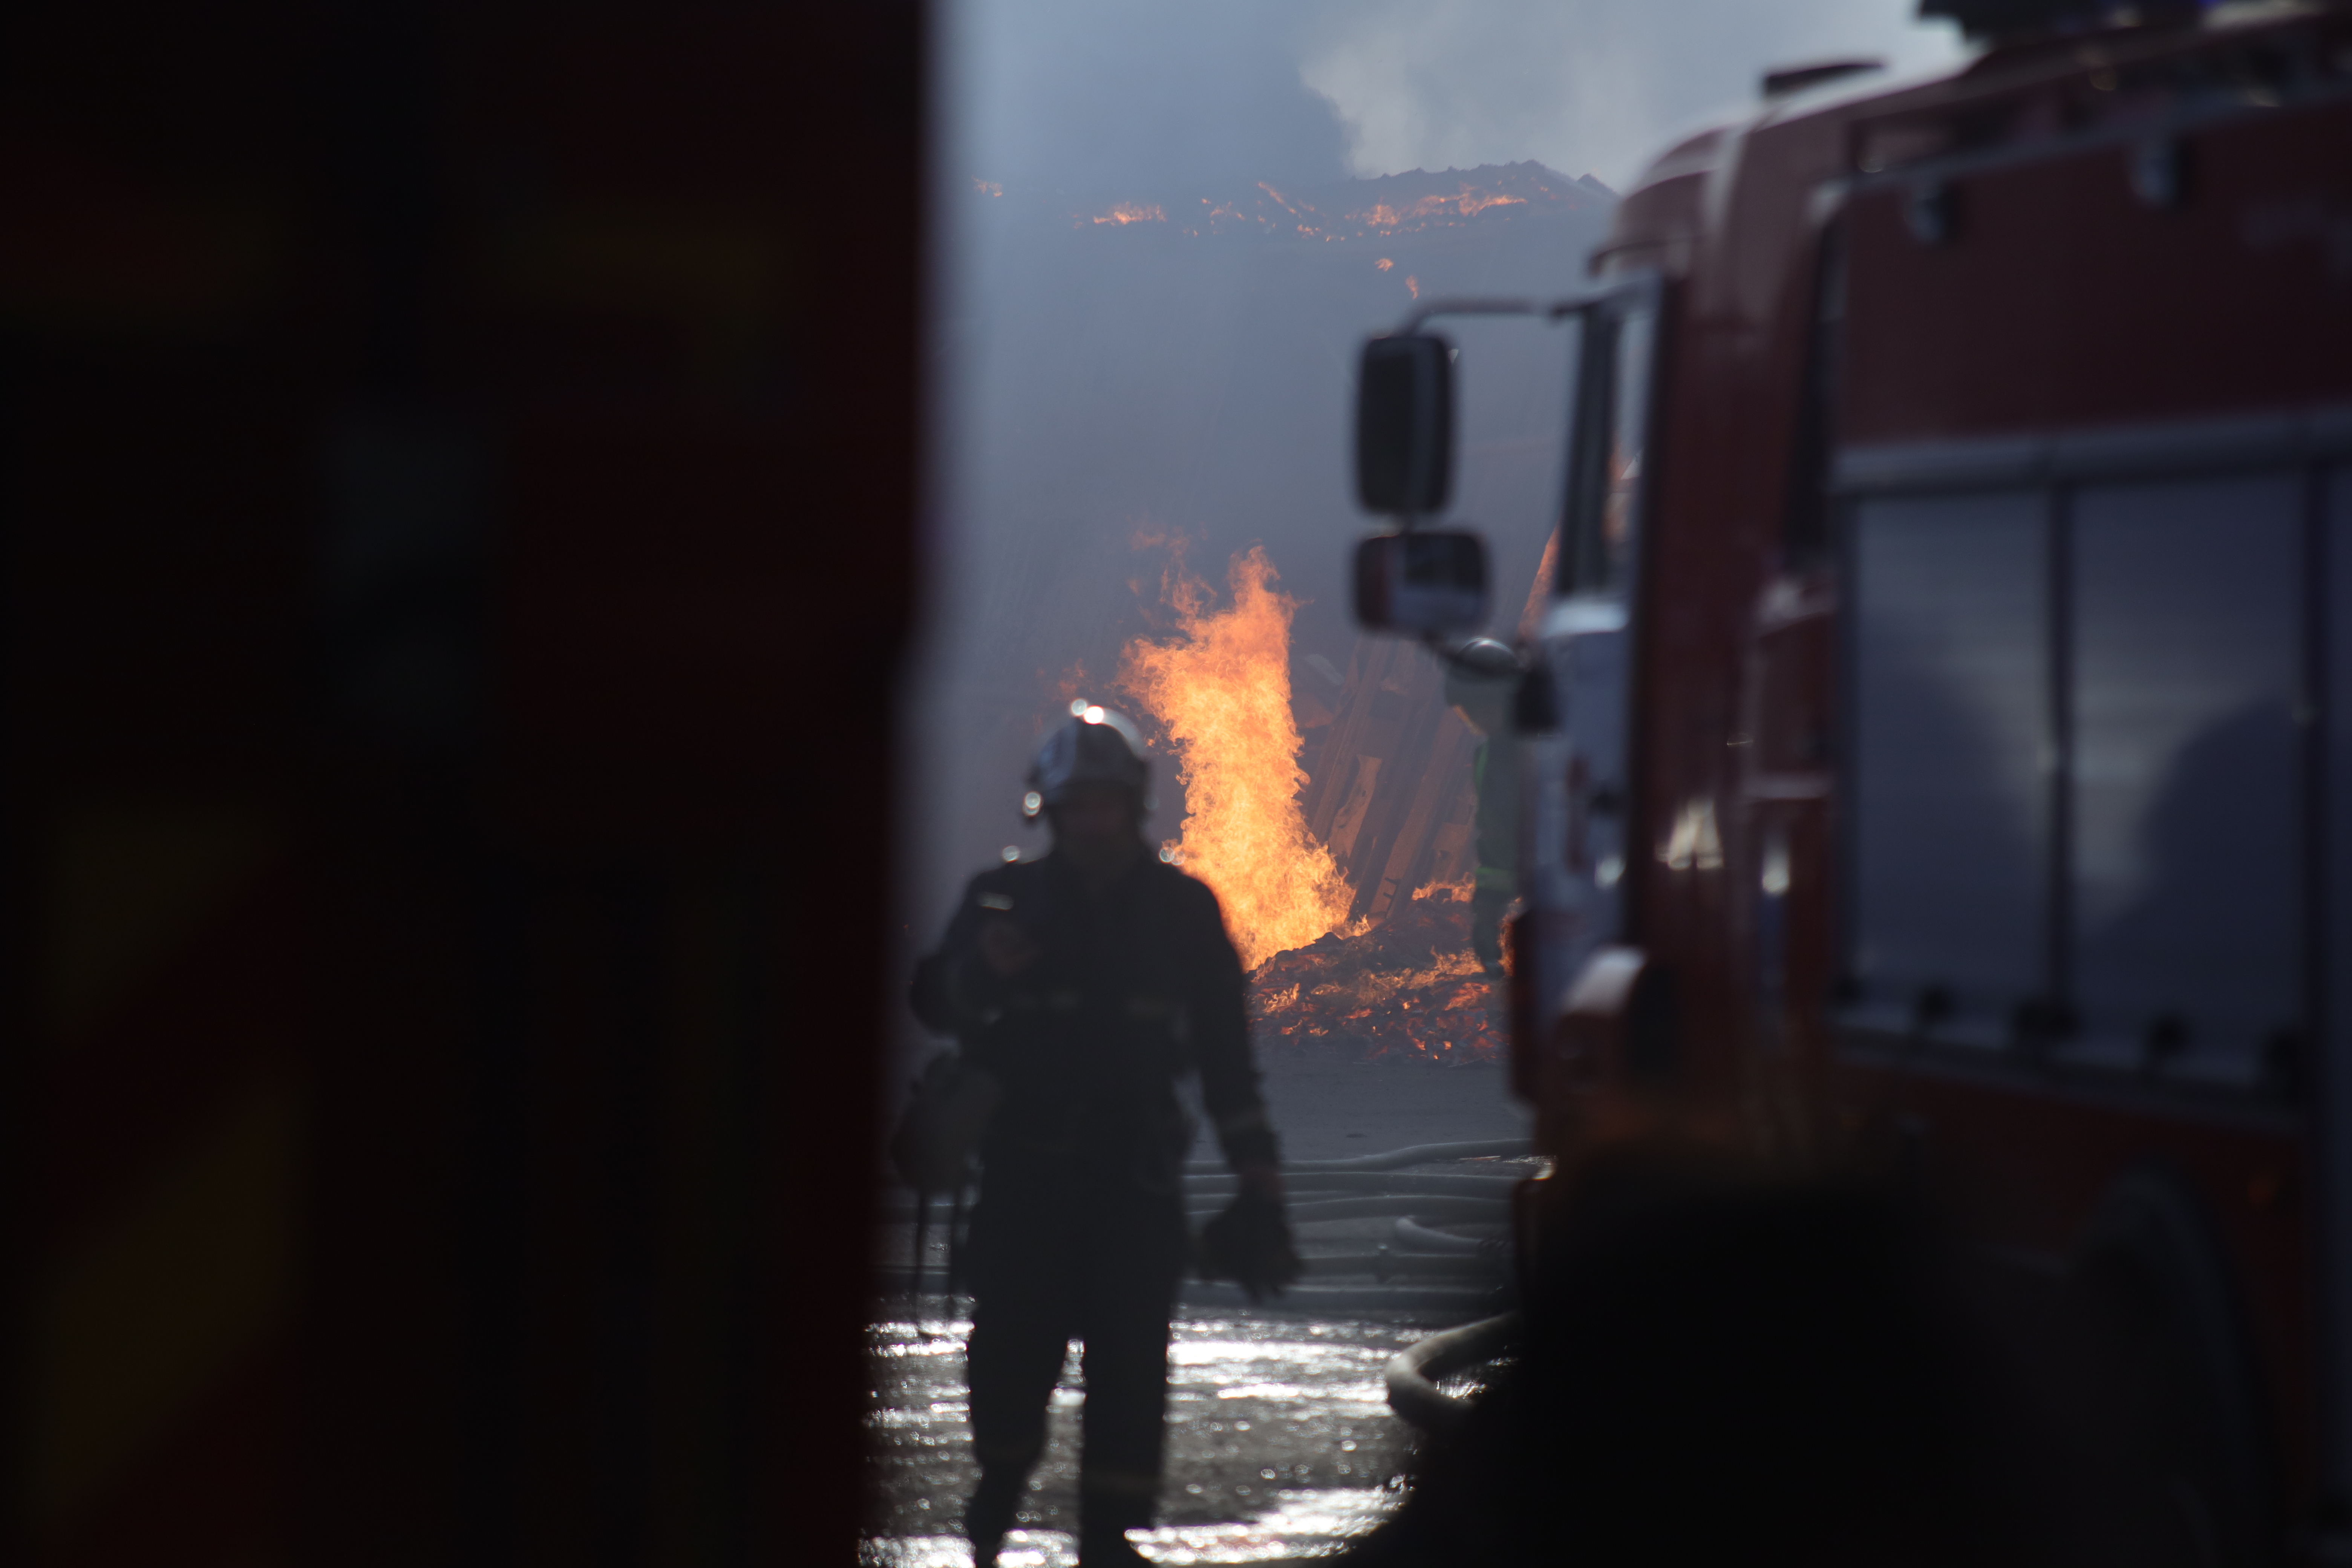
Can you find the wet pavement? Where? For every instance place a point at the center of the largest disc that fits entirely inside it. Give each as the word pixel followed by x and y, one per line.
pixel 1280 1442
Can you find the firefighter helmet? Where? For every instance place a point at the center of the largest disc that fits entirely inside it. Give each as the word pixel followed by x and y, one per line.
pixel 1480 678
pixel 1098 745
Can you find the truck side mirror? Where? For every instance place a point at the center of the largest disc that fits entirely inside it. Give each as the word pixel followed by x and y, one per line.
pixel 1404 424
pixel 1431 581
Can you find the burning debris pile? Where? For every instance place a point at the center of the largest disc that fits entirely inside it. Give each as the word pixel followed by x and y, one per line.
pixel 1407 988
pixel 1316 884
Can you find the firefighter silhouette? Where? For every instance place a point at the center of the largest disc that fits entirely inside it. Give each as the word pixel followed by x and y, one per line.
pixel 1084 983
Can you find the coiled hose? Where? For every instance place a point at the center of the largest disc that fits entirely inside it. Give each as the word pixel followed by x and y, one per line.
pixel 1413 1372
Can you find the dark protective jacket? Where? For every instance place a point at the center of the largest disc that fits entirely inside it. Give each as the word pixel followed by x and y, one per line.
pixel 1495 771
pixel 1137 986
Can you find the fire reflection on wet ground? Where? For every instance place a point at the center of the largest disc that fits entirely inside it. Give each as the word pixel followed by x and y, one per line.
pixel 1280 1444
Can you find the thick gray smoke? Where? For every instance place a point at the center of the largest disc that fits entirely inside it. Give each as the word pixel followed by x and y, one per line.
pixel 1101 98
pixel 1097 97
pixel 1578 84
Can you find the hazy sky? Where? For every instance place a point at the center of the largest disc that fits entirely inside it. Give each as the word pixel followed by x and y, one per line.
pixel 1111 96
pixel 1578 84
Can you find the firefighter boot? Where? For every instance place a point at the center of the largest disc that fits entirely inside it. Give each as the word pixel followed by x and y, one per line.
pixel 995 1502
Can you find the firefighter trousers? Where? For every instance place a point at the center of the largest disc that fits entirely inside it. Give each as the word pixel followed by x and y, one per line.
pixel 1072 1253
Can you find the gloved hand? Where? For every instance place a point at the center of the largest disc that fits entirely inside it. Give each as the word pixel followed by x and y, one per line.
pixel 1250 1245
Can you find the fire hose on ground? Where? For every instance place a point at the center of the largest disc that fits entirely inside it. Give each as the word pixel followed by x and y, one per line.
pixel 1413 1373
pixel 1391 1159
pixel 1412 1249
pixel 1415 1268
pixel 1429 1267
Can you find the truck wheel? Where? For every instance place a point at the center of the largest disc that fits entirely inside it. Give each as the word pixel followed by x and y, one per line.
pixel 2179 1457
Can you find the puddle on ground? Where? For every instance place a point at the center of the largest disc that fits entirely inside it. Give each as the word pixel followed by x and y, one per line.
pixel 1300 1524
pixel 1280 1442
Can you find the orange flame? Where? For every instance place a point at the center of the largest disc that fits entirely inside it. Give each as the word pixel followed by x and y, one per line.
pixel 1223 689
pixel 1540 591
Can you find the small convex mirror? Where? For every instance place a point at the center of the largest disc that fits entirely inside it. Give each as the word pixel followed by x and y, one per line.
pixel 1431 581
pixel 1404 424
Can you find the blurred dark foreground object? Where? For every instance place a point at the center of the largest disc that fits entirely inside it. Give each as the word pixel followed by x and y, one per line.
pixel 439 1095
pixel 1250 1245
pixel 1726 1372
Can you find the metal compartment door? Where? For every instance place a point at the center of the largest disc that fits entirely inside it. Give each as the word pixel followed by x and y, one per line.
pixel 1950 759
pixel 2185 836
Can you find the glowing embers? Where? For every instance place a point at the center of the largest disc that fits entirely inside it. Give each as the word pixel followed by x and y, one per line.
pixel 1407 989
pixel 1468 202
pixel 1126 213
pixel 1378 210
pixel 1221 689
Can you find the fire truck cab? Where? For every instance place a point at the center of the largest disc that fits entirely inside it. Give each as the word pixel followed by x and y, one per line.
pixel 1941 733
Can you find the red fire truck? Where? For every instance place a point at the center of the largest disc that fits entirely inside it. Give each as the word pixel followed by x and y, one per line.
pixel 1939 736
